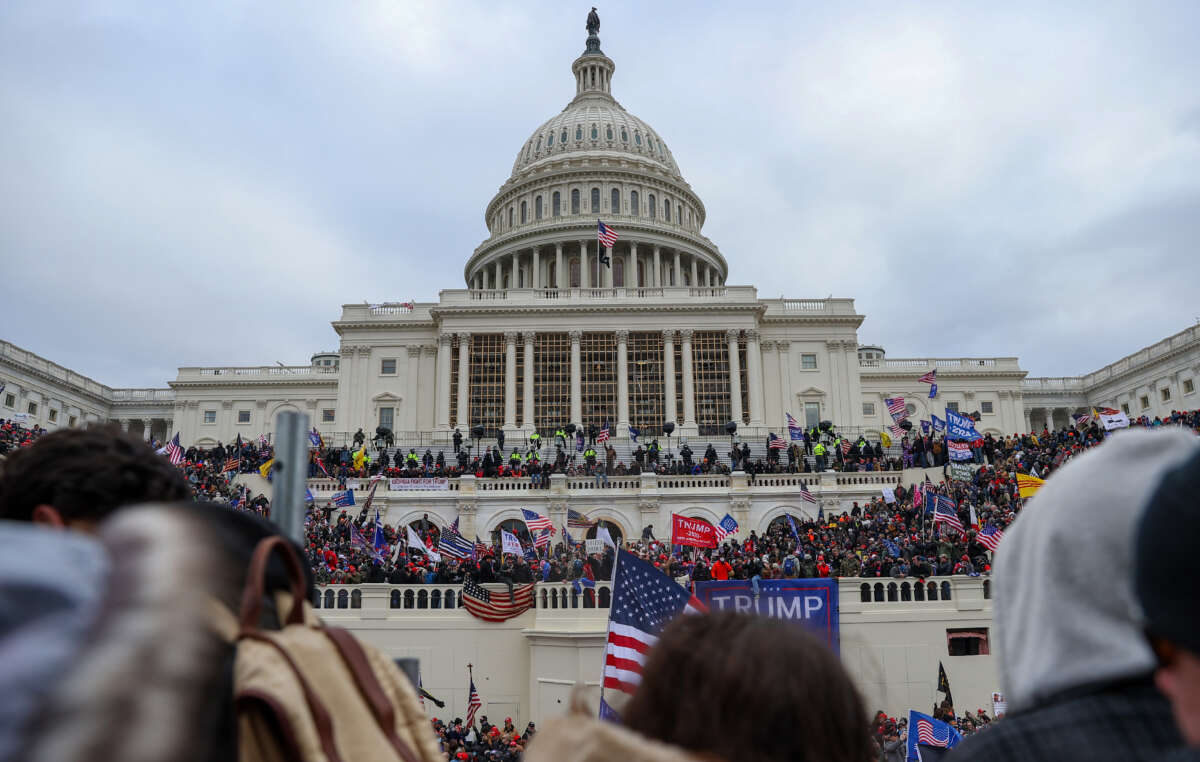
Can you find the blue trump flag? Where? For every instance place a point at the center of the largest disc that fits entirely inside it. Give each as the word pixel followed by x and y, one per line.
pixel 932 391
pixel 928 733
pixel 812 602
pixel 892 548
pixel 938 424
pixel 792 524
pixel 959 426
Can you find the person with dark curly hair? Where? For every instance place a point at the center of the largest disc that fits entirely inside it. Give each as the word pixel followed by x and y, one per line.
pixel 77 477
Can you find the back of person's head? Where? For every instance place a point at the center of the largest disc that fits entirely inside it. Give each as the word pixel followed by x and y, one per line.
pixel 745 688
pixel 1067 618
pixel 1170 593
pixel 78 477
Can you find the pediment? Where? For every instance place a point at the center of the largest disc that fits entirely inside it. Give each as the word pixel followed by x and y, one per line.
pixel 385 397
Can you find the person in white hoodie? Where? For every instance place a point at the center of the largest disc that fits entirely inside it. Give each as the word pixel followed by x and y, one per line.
pixel 1073 661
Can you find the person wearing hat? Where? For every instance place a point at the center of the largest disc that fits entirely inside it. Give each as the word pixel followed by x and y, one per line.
pixel 1169 596
pixel 1072 657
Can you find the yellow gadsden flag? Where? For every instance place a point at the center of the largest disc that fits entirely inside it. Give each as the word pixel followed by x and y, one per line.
pixel 884 439
pixel 1027 485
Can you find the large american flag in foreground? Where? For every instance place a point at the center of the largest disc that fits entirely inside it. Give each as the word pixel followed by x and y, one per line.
pixel 925 731
pixel 644 601
pixel 495 606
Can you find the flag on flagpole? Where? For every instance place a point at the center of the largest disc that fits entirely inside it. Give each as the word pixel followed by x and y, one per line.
pixel 1028 485
pixel 175 451
pixel 795 431
pixel 792 526
pixel 542 539
pixel 990 537
pixel 474 704
pixel 929 378
pixel 633 434
pixel 577 520
pixel 314 438
pixel 776 442
pixel 805 495
pixel 606 236
pixel 727 527
pixel 231 465
pixel 896 408
pixel 923 730
pixel 945 513
pixel 265 468
pixel 379 540
pixel 343 499
pixel 932 391
pixel 496 605
pixel 603 435
pixel 536 521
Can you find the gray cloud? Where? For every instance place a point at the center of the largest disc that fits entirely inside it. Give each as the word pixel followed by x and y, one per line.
pixel 208 183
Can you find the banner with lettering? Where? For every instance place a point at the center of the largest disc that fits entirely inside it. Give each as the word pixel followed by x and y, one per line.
pixel 695 532
pixel 960 471
pixel 959 450
pixel 408 485
pixel 959 426
pixel 812 602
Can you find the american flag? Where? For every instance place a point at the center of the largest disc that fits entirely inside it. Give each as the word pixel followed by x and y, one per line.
pixel 644 601
pixel 931 732
pixel 1107 411
pixel 496 606
pixel 777 443
pixel 945 512
pixel 805 495
pixel 536 521
pixel 481 547
pixel 262 440
pixel 990 536
pixel 727 527
pixel 897 431
pixel 605 235
pixel 576 520
pixel 929 378
pixel 542 540
pixel 1083 419
pixel 895 406
pixel 231 465
pixel 321 465
pixel 174 451
pixel 453 544
pixel 603 435
pixel 845 447
pixel 474 704
pixel 794 429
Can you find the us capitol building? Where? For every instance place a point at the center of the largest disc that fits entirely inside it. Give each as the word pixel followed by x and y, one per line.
pixel 544 334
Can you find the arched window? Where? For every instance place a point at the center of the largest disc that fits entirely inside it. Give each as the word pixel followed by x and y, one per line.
pixel 595 200
pixel 637 137
pixel 537 208
pixel 574 273
pixel 624 136
pixel 510 216
pixel 906 591
pixel 556 204
pixel 608 134
pixel 524 211
pixel 633 203
pixel 615 201
pixel 538 147
pixel 394 599
pixel 864 593
pixel 933 588
pixel 422 599
pixel 435 597
pixel 613 530
pixel 579 132
pixel 891 593
pixel 595 133
pixel 550 140
pixel 945 591
pixel 605 597
pixel 448 600
pixel 666 210
pixel 343 599
pixel 618 267
pixel 563 137
pixel 651 206
pixel 879 592
pixel 356 599
pixel 575 201
pixel 328 599
pixel 410 599
pixel 918 592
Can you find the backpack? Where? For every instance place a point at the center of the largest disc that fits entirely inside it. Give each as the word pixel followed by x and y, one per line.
pixel 789 565
pixel 312 693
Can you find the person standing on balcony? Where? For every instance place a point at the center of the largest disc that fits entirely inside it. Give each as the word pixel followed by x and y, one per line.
pixel 819 454
pixel 457 438
pixel 500 440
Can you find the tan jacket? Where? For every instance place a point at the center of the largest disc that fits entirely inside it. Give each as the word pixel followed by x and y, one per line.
pixel 574 738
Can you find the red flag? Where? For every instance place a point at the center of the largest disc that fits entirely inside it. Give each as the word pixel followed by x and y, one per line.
pixel 695 532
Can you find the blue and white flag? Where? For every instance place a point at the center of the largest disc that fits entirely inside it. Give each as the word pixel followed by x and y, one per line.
pixel 932 391
pixel 579 584
pixel 938 424
pixel 343 499
pixel 959 426
pixel 923 730
pixel 308 495
pixel 924 427
pixel 795 431
pixel 633 434
pixel 892 548
pixel 792 524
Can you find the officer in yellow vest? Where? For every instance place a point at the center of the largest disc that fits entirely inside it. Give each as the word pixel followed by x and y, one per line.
pixel 535 440
pixel 819 452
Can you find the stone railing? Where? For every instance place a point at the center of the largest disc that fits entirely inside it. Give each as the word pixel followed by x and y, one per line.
pixel 374 601
pixel 1142 357
pixel 1050 385
pixel 274 373
pixel 143 395
pixel 964 364
pixel 610 295
pixel 39 364
pixel 832 306
pixel 958 593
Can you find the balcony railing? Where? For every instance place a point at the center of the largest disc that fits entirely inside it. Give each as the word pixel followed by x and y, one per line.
pixel 964 364
pixel 274 373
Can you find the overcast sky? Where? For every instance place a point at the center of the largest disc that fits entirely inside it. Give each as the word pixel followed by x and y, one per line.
pixel 198 183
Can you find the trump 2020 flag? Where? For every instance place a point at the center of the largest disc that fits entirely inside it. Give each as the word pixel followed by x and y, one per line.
pixel 509 543
pixel 927 738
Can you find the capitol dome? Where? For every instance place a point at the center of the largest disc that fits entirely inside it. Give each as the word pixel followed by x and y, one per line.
pixel 594 163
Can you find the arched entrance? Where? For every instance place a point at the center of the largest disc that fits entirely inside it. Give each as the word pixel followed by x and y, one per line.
pixel 617 535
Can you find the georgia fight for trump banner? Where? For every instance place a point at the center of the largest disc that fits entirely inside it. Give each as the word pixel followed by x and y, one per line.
pixel 695 532
pixel 813 602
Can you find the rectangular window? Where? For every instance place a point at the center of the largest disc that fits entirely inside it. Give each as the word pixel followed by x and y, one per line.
pixel 10 400
pixel 1189 386
pixel 808 362
pixel 812 414
pixel 1165 392
pixel 598 360
pixel 456 416
pixel 971 641
pixel 952 406
pixel 710 364
pixel 327 415
pixel 53 416
pixel 72 421
pixel 243 416
pixel 868 409
pixel 485 385
pixel 551 382
pixel 646 387
pixel 985 407
pixel 387 367
pixel 210 416
pixel 387 416
pixel 31 408
pixel 1145 403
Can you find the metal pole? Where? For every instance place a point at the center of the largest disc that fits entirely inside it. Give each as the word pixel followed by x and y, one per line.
pixel 291 469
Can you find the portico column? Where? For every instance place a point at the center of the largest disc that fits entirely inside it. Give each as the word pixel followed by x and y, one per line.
pixel 689 380
pixel 510 379
pixel 464 365
pixel 443 381
pixel 631 278
pixel 622 381
pixel 657 273
pixel 560 278
pixel 585 273
pixel 527 419
pixel 125 424
pixel 755 378
pixel 536 278
pixel 499 281
pixel 1028 422
pixel 676 274
pixel 735 377
pixel 785 378
pixel 146 424
pixel 576 380
pixel 668 373
pixel 695 282
pixel 515 281
pixel 411 395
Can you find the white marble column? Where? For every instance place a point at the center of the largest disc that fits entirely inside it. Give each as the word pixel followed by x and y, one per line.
pixel 585 273
pixel 622 381
pixel 443 381
pixel 785 379
pixel 125 423
pixel 754 377
pixel 499 282
pixel 411 395
pixel 631 277
pixel 536 279
pixel 560 275
pixel 576 379
pixel 527 418
pixel 657 273
pixel 510 380
pixel 464 365
pixel 735 377
pixel 695 276
pixel 668 373
pixel 1028 422
pixel 146 424
pixel 689 380
pixel 514 279
pixel 676 274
